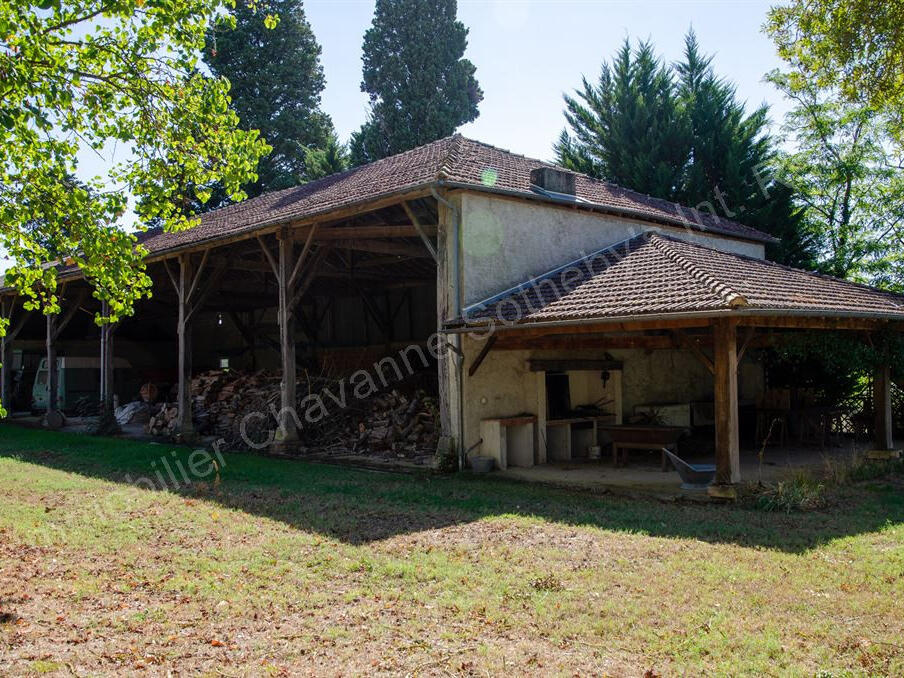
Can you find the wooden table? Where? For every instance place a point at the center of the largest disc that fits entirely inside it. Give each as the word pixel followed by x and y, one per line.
pixel 638 437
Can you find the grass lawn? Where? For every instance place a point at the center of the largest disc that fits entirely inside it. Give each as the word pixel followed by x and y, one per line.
pixel 288 568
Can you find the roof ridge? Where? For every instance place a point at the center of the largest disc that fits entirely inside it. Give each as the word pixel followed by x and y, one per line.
pixel 733 298
pixel 444 170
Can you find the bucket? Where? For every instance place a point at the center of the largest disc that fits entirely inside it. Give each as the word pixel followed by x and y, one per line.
pixel 481 464
pixel 593 452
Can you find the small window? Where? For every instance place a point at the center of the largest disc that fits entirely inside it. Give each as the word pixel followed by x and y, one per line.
pixel 224 363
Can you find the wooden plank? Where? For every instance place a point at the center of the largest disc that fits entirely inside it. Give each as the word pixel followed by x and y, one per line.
pixel 883 432
pixel 725 349
pixel 485 349
pixel 572 365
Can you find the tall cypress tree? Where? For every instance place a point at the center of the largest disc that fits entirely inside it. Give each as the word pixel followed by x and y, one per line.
pixel 420 86
pixel 680 133
pixel 276 81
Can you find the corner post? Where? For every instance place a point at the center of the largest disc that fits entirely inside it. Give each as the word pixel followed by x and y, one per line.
pixel 106 362
pixel 4 366
pixel 52 419
pixel 882 431
pixel 286 319
pixel 184 329
pixel 725 374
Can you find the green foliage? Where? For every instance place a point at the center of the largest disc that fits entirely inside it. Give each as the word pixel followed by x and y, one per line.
pixel 849 180
pixel 854 46
pixel 276 82
pixel 332 158
pixel 86 74
pixel 420 86
pixel 680 133
pixel 802 492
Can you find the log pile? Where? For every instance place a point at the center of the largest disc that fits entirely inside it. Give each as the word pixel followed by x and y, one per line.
pixel 398 423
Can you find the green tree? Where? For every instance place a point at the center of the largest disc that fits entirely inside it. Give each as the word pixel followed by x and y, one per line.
pixel 420 86
pixel 276 82
pixel 680 133
pixel 626 128
pixel 849 179
pixel 92 74
pixel 854 46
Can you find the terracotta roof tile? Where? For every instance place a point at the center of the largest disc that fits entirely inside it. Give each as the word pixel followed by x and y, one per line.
pixel 454 161
pixel 654 273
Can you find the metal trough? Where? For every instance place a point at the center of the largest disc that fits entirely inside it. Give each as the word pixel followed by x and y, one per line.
pixel 693 476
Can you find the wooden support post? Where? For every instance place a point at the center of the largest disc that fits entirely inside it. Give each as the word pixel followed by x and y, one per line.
pixel 286 321
pixel 12 331
pixel 52 419
pixel 183 292
pixel 6 307
pixel 882 433
pixel 725 373
pixel 106 362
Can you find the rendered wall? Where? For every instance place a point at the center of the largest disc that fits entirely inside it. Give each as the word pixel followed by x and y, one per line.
pixel 506 242
pixel 504 385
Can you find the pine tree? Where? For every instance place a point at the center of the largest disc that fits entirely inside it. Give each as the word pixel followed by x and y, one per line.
pixel 277 81
pixel 420 86
pixel 680 133
pixel 624 127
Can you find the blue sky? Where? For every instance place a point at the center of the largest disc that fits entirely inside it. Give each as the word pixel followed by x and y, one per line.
pixel 528 52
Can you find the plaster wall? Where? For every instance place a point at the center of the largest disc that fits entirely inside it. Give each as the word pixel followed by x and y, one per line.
pixel 506 242
pixel 504 385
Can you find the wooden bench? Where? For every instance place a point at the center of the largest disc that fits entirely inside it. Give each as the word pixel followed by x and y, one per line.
pixel 638 437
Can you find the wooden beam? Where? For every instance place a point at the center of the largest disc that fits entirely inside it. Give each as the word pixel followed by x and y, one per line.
pixel 883 438
pixel 52 419
pixel 692 345
pixel 725 349
pixel 812 323
pixel 402 249
pixel 420 229
pixel 297 225
pixel 359 232
pixel 745 343
pixel 274 267
pixel 484 351
pixel 184 330
pixel 302 256
pixel 572 365
pixel 285 317
pixel 590 341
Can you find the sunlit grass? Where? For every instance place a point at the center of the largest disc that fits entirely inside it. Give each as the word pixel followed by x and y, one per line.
pixel 295 567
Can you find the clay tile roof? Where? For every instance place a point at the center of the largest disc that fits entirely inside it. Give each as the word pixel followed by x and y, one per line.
pixel 453 161
pixel 653 274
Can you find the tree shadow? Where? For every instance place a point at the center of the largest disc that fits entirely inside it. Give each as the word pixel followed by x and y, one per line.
pixel 360 506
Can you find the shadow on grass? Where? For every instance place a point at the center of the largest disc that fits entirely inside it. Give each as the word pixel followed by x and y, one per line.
pixel 358 506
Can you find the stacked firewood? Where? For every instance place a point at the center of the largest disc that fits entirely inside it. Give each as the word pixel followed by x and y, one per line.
pixel 164 422
pixel 241 407
pixel 389 424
